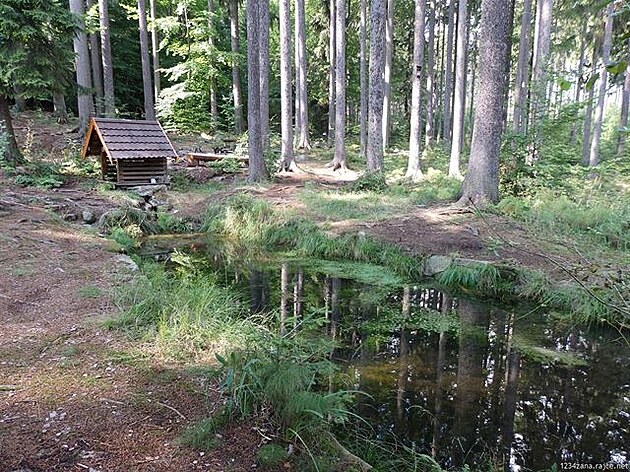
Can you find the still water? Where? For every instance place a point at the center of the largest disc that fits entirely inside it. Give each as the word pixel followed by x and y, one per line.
pixel 462 380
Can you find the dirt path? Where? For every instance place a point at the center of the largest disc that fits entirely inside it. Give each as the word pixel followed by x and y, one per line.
pixel 74 396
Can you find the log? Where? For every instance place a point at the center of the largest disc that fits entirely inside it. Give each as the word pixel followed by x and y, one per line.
pixel 193 158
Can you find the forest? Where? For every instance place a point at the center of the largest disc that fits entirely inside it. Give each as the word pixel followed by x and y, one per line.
pixel 386 235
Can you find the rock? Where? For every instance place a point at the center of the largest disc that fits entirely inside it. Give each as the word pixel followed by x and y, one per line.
pixel 436 264
pixel 127 261
pixel 147 191
pixel 88 217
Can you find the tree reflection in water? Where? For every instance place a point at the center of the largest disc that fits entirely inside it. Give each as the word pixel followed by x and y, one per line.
pixel 463 381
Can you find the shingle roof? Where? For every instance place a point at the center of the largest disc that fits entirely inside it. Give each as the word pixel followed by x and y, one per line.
pixel 130 139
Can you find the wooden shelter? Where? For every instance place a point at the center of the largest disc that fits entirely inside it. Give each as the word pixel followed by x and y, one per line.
pixel 131 152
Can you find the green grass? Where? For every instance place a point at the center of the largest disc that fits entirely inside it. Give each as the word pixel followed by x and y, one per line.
pixel 271 455
pixel 89 291
pixel 360 205
pixel 203 434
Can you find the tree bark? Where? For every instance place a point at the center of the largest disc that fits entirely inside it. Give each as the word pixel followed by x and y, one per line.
pixel 376 87
pixel 460 91
pixel 542 41
pixel 387 73
pixel 603 79
pixel 82 65
pixel 264 73
pixel 109 103
pixel 301 90
pixel 97 67
pixel 60 111
pixel 236 71
pixel 339 161
pixel 448 75
pixel 155 44
pixel 257 168
pixel 332 61
pixel 12 154
pixel 588 114
pixel 147 86
pixel 428 134
pixel 481 185
pixel 363 78
pixel 20 101
pixel 580 72
pixel 625 102
pixel 287 156
pixel 519 120
pixel 212 86
pixel 415 143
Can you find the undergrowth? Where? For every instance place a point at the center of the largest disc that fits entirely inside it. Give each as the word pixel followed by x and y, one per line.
pixel 279 380
pixel 254 225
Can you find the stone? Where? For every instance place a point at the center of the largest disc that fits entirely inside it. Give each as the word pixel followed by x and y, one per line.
pixel 147 191
pixel 435 264
pixel 88 217
pixel 126 261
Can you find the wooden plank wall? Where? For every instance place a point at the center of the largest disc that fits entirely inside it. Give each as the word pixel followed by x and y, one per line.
pixel 141 171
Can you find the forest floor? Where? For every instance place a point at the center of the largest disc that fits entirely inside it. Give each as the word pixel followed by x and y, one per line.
pixel 76 396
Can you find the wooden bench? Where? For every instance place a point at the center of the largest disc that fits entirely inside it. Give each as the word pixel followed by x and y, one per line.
pixel 194 158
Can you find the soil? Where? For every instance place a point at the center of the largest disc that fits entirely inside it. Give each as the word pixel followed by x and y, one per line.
pixel 75 396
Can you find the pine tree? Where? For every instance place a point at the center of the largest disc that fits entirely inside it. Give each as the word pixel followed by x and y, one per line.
pixel 376 88
pixel 82 65
pixel 34 55
pixel 106 56
pixel 149 106
pixel 481 185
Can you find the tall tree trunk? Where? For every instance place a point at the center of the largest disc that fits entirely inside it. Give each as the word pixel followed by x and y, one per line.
pixel 236 71
pixel 448 75
pixel 339 161
pixel 287 156
pixel 387 74
pixel 97 66
pixel 363 78
pixel 522 77
pixel 376 85
pixel 12 154
pixel 109 102
pixel 60 111
pixel 257 168
pixel 147 86
pixel 296 62
pixel 439 82
pixel 542 41
pixel 212 85
pixel 428 133
pixel 20 101
pixel 625 101
pixel 580 72
pixel 82 64
pixel 460 91
pixel 155 52
pixel 588 114
pixel 481 184
pixel 508 66
pixel 332 64
pixel 264 73
pixel 603 80
pixel 415 142
pixel 301 92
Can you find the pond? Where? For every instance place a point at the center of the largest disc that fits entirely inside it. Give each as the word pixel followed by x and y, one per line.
pixel 465 381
